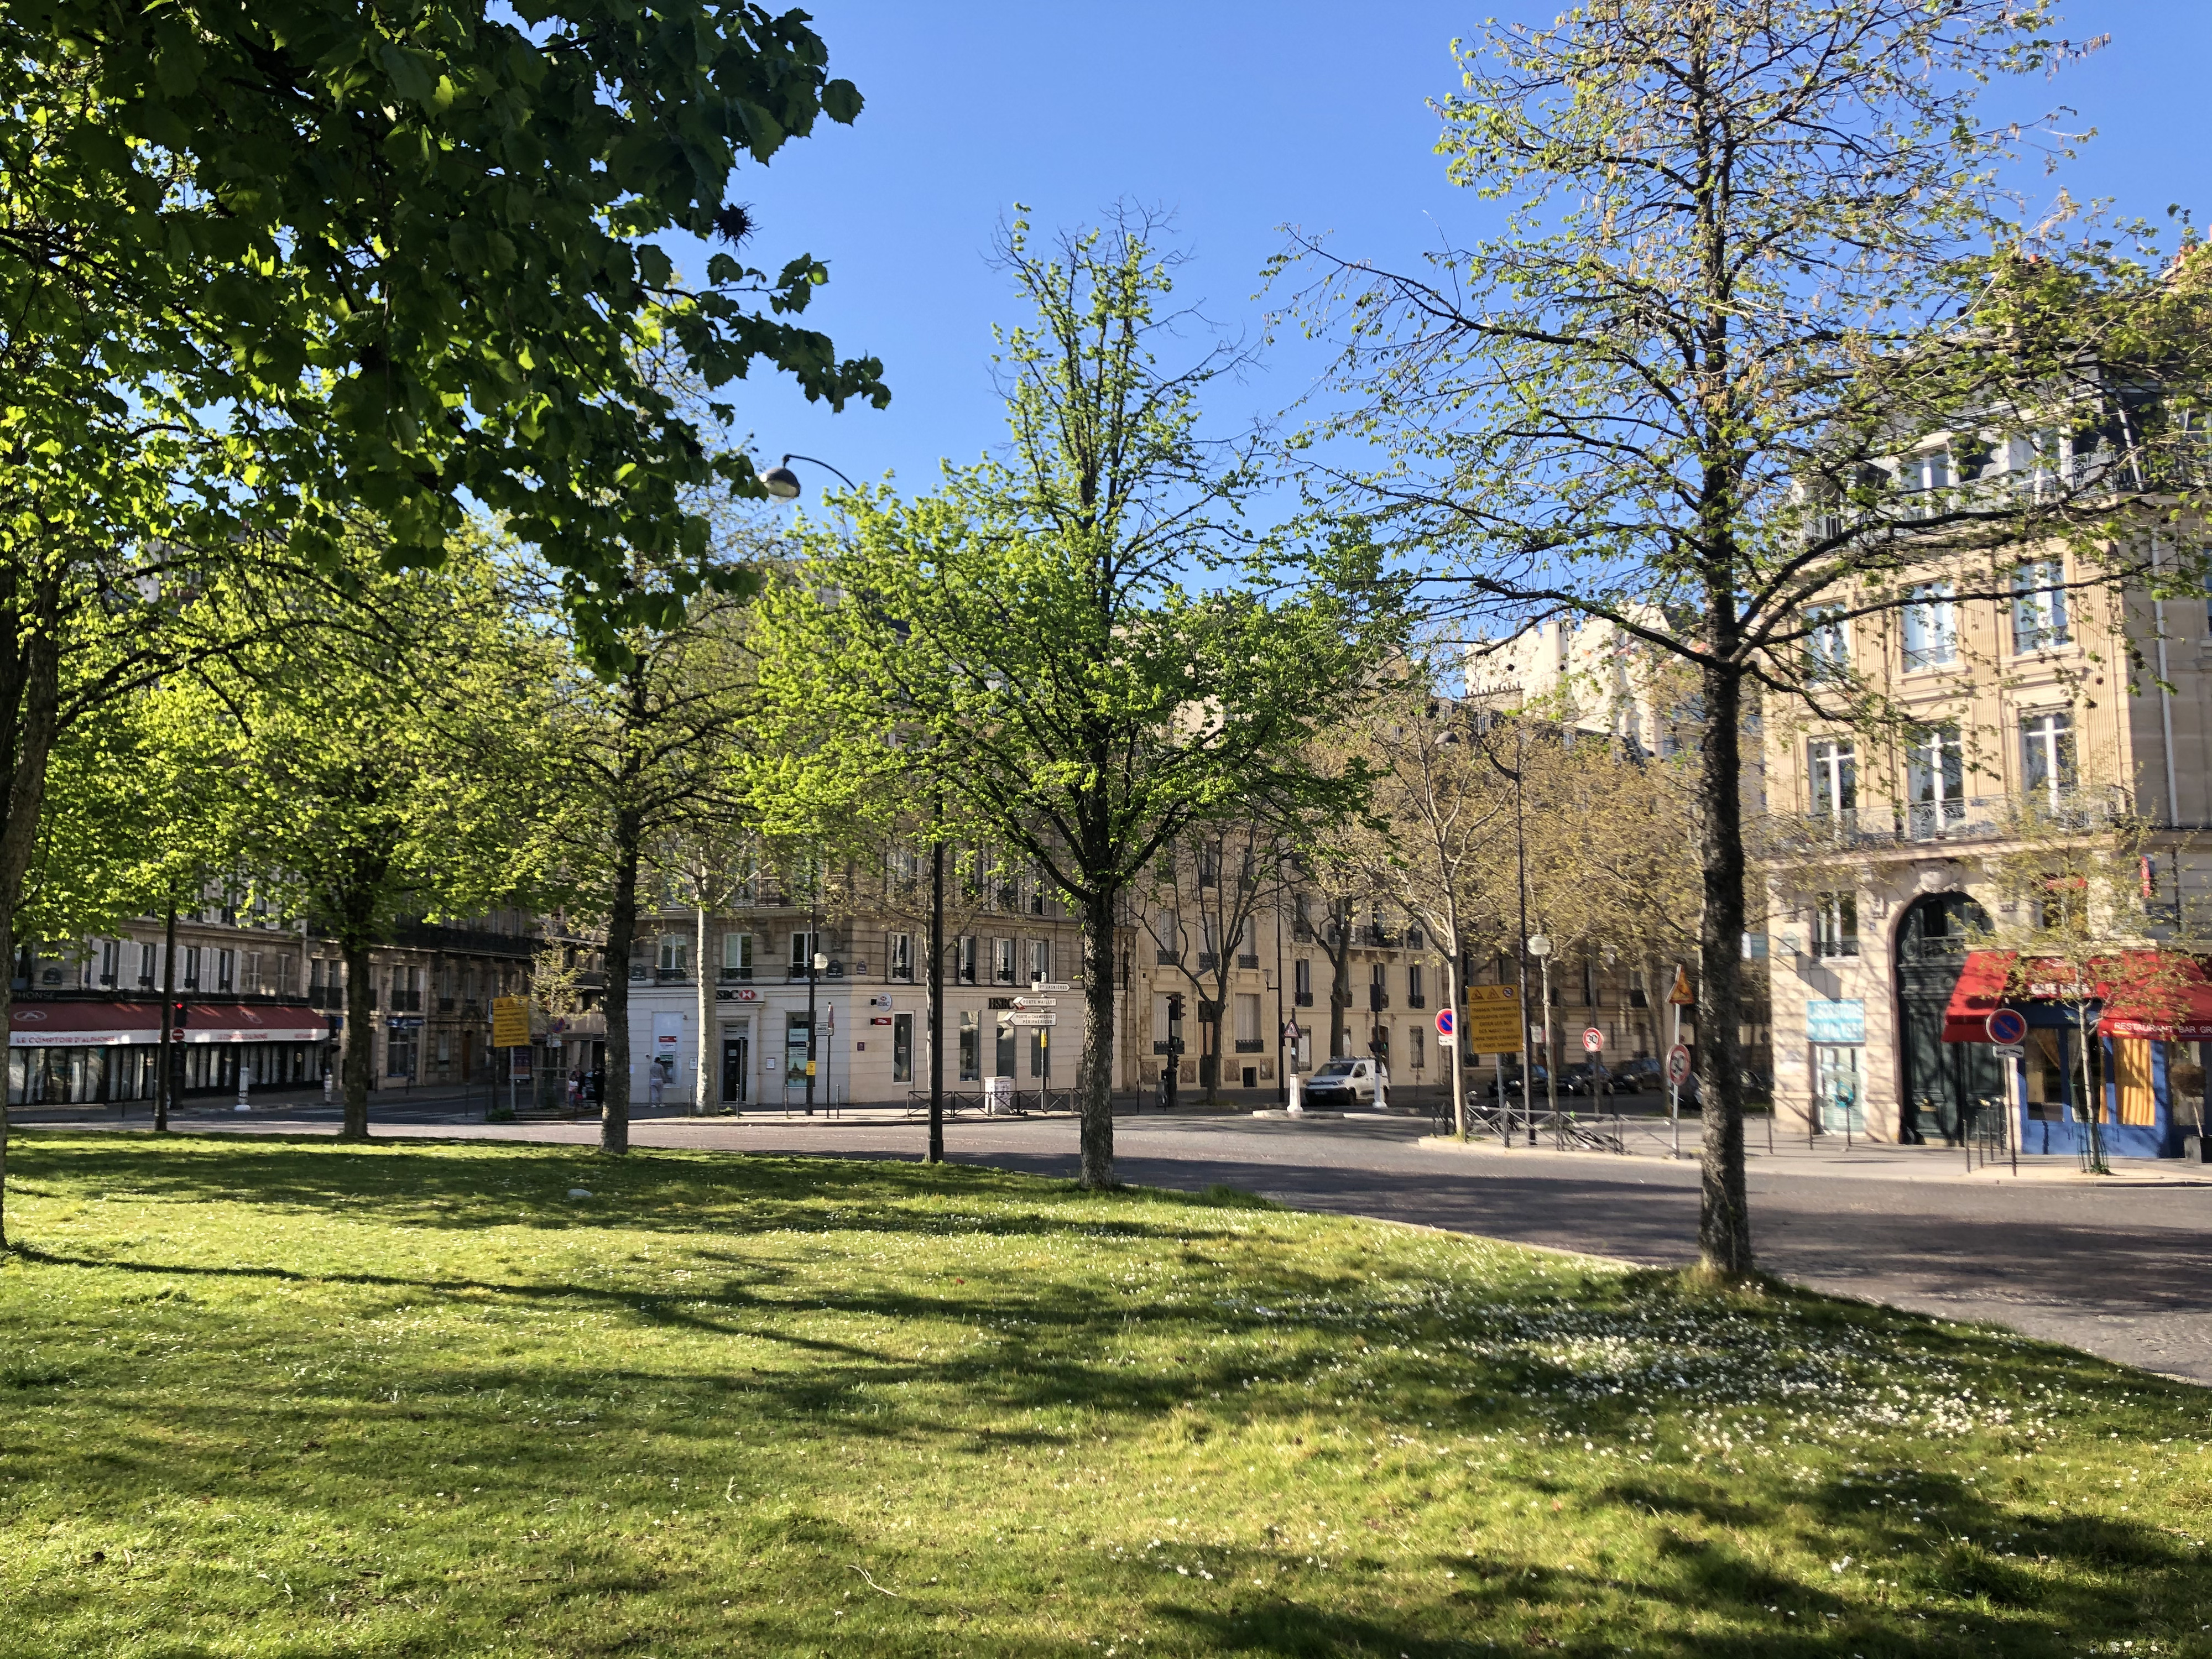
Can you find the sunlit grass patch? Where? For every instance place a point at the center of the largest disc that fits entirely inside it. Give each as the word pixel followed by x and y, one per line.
pixel 261 1397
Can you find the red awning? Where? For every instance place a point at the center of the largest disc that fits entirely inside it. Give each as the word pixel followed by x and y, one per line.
pixel 1978 994
pixel 2158 995
pixel 82 1024
pixel 114 1025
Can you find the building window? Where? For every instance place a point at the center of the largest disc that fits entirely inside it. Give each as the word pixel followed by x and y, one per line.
pixel 1828 645
pixel 287 967
pixel 1002 961
pixel 737 955
pixel 1833 766
pixel 804 945
pixel 1040 961
pixel 2039 606
pixel 2046 743
pixel 149 961
pixel 226 970
pixel 1249 1041
pixel 1416 992
pixel 1302 980
pixel 963 959
pixel 1934 779
pixel 399 1057
pixel 111 960
pixel 898 955
pixel 1931 628
pixel 1836 925
pixel 1924 476
pixel 1590 983
pixel 1417 1042
pixel 901 1047
pixel 191 977
pixel 674 954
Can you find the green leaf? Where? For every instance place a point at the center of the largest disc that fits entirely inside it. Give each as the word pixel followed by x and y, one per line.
pixel 841 101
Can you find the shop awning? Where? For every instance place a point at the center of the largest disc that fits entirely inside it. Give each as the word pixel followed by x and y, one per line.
pixel 2158 995
pixel 2155 995
pixel 1978 994
pixel 82 1024
pixel 115 1024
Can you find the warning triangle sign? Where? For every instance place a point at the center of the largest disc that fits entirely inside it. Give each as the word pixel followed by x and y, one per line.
pixel 1680 996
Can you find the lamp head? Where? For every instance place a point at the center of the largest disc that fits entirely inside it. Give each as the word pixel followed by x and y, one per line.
pixel 780 482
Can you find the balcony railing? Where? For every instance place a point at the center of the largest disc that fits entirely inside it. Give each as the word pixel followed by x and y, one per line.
pixel 1207 959
pixel 735 975
pixel 1250 1046
pixel 1967 817
pixel 1247 961
pixel 1303 999
pixel 1168 958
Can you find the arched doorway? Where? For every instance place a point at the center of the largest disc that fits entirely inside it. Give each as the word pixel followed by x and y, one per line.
pixel 1940 1081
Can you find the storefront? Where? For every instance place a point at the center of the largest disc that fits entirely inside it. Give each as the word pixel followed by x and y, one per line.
pixel 2118 1043
pixel 82 1053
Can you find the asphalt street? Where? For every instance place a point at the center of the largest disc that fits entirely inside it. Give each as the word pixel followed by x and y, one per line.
pixel 2119 1269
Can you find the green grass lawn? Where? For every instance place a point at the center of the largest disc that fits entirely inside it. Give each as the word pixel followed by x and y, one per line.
pixel 271 1397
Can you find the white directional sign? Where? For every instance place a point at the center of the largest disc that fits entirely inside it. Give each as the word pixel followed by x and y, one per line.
pixel 1049 985
pixel 1036 1002
pixel 1033 1018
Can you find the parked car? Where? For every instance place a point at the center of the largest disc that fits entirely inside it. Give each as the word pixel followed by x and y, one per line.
pixel 1342 1083
pixel 1510 1081
pixel 1590 1076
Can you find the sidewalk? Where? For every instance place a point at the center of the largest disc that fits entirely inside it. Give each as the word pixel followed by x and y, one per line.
pixel 1648 1140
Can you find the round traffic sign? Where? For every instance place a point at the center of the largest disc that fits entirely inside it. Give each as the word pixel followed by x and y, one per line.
pixel 2007 1027
pixel 1443 1022
pixel 1592 1039
pixel 1678 1065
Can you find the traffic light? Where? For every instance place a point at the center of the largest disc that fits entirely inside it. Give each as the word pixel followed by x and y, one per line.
pixel 1175 1008
pixel 177 1017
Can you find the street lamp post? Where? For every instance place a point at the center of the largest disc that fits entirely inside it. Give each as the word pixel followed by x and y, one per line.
pixel 815 962
pixel 1540 948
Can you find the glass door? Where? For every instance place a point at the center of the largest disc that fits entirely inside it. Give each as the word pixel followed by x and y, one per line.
pixel 737 1063
pixel 1838 1068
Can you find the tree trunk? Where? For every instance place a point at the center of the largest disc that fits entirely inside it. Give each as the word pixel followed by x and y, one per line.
pixel 1456 1000
pixel 359 1054
pixel 621 930
pixel 165 1063
pixel 1095 1077
pixel 706 1003
pixel 30 698
pixel 1723 1213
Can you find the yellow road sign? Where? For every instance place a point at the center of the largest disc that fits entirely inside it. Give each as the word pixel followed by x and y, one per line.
pixel 1681 996
pixel 510 1022
pixel 1493 1020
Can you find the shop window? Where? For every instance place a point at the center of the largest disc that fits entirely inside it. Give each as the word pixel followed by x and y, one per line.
pixel 971 1049
pixel 2131 1070
pixel 901 1047
pixel 2044 1068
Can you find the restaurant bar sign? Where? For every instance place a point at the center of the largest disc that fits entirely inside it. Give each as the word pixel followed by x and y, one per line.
pixel 1835 1022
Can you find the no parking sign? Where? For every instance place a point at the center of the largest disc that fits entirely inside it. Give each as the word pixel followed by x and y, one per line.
pixel 2008 1028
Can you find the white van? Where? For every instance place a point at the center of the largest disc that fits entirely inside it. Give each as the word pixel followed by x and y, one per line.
pixel 1342 1083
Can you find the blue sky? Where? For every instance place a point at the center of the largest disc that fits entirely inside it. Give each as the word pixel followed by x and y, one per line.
pixel 1238 117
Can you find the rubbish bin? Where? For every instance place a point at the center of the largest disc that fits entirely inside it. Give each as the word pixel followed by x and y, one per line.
pixel 998 1095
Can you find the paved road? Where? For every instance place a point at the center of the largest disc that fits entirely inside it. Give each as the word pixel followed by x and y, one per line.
pixel 2124 1271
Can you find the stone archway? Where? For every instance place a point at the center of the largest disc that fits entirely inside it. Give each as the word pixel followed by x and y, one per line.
pixel 1938 1082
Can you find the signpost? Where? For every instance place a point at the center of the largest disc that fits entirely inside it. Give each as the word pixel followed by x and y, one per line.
pixel 1678 998
pixel 1036 1002
pixel 1025 1017
pixel 1494 1019
pixel 510 1029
